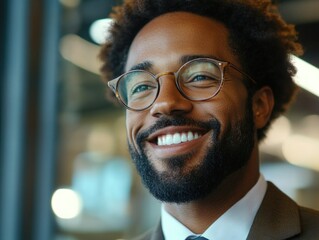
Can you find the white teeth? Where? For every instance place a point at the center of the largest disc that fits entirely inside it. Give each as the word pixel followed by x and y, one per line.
pixel 184 137
pixel 190 136
pixel 169 139
pixel 163 141
pixel 159 141
pixel 177 138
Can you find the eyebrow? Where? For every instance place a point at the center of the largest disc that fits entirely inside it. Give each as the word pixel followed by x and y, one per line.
pixel 147 65
pixel 187 58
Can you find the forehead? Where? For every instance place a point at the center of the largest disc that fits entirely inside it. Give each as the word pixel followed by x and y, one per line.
pixel 168 37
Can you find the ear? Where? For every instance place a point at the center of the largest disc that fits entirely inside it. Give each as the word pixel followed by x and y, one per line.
pixel 263 103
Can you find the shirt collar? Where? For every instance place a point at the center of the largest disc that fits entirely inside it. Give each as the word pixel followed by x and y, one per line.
pixel 238 218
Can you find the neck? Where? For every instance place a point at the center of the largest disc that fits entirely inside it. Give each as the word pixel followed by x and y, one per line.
pixel 198 215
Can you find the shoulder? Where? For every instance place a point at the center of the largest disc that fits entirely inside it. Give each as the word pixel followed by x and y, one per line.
pixel 309 220
pixel 279 217
pixel 308 214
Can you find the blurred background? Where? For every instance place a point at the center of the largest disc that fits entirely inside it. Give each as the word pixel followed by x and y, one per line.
pixel 64 167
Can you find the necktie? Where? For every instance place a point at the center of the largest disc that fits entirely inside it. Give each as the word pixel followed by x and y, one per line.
pixel 196 238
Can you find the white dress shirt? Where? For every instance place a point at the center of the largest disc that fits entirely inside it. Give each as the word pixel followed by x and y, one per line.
pixel 235 223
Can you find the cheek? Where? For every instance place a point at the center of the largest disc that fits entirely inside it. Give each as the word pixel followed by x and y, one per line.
pixel 129 125
pixel 234 101
pixel 134 122
pixel 228 107
pixel 224 111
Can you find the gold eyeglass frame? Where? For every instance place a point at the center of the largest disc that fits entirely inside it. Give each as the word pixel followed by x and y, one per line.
pixel 113 84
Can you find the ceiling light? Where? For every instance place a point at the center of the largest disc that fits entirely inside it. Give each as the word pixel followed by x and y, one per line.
pixel 307 75
pixel 99 30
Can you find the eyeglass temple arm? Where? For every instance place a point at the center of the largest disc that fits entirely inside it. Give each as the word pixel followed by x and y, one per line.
pixel 245 74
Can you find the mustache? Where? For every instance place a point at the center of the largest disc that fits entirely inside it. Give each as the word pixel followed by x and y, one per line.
pixel 212 124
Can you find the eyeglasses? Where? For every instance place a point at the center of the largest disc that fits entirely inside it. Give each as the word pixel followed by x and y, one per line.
pixel 197 80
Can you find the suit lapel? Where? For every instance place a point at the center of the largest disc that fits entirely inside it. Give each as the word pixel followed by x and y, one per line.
pixel 277 218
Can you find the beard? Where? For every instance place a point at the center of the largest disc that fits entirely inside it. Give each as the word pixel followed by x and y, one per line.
pixel 225 154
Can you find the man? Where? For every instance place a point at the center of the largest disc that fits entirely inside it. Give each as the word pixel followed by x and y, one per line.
pixel 201 81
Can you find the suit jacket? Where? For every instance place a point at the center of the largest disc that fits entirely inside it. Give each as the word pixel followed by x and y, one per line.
pixel 278 218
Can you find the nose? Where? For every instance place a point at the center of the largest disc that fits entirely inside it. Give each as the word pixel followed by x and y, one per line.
pixel 170 101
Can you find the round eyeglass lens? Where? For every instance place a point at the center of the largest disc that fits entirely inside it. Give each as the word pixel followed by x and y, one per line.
pixel 137 89
pixel 200 79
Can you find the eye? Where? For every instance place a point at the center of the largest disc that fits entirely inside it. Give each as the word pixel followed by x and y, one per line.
pixel 141 88
pixel 201 79
pixel 138 82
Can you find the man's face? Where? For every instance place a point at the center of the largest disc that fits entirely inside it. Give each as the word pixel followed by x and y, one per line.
pixel 219 131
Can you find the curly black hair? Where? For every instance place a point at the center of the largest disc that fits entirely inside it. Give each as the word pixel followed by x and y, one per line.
pixel 258 36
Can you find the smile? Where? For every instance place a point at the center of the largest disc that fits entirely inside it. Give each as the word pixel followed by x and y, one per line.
pixel 177 141
pixel 177 138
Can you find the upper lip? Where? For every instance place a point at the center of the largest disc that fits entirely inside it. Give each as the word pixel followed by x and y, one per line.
pixel 174 129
